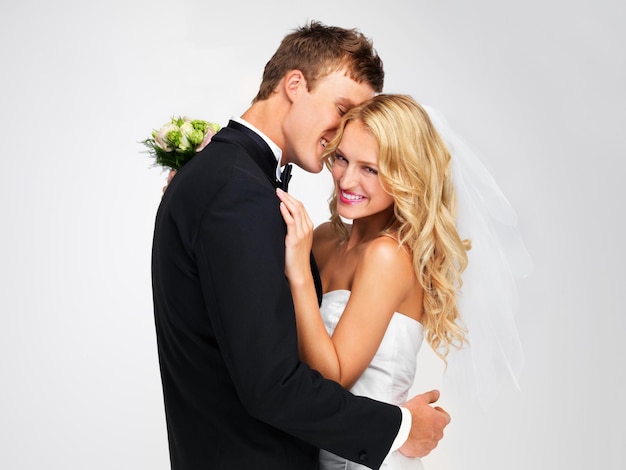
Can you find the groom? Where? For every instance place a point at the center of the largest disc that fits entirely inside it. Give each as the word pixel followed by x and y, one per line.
pixel 236 394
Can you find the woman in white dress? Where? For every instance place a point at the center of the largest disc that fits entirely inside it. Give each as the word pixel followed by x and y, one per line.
pixel 391 277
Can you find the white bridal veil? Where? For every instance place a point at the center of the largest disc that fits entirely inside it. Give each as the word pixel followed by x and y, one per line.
pixel 487 300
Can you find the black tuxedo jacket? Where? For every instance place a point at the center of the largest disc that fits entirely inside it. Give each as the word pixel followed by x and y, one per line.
pixel 236 394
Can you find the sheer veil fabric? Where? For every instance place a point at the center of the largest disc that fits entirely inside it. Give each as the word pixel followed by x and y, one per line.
pixel 488 298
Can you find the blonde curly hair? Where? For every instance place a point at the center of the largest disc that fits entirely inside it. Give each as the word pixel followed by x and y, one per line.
pixel 414 168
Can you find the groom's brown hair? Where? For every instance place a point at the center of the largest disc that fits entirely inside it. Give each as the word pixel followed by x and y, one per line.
pixel 318 50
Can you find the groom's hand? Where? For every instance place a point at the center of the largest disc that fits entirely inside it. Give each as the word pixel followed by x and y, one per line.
pixel 427 424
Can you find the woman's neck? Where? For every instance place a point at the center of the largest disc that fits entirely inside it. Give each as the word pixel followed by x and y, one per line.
pixel 368 228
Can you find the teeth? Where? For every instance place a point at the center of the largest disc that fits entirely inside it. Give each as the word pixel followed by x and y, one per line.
pixel 351 197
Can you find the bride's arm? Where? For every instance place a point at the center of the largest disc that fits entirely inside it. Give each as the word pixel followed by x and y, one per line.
pixel 314 344
pixel 381 282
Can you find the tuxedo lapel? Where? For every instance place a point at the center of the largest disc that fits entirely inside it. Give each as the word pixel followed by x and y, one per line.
pixel 263 156
pixel 254 144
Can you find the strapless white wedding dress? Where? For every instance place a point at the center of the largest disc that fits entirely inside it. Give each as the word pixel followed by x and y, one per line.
pixel 388 378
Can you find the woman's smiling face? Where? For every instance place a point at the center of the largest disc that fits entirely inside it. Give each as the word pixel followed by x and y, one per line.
pixel 355 172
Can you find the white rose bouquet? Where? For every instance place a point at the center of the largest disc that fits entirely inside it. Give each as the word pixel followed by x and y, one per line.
pixel 179 140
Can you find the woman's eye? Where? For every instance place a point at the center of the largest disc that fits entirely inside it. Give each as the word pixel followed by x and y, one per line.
pixel 371 171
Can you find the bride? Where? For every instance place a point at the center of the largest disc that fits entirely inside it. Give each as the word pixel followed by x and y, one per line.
pixel 390 278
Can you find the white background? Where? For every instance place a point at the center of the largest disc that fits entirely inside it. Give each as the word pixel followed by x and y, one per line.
pixel 537 86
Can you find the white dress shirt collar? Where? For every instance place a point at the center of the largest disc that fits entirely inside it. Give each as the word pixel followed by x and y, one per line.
pixel 278 153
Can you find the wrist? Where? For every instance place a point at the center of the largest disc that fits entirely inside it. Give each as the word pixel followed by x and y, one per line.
pixel 300 280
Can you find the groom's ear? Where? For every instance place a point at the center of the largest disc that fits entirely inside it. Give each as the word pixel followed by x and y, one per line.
pixel 294 84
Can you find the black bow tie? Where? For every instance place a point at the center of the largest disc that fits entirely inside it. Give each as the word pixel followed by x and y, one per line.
pixel 285 177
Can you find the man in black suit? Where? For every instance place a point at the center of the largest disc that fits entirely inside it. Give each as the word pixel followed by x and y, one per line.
pixel 236 394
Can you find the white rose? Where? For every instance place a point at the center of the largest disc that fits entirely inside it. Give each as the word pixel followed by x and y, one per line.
pixel 160 136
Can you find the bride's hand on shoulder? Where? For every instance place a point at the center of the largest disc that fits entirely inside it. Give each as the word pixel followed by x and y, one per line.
pixel 299 238
pixel 170 177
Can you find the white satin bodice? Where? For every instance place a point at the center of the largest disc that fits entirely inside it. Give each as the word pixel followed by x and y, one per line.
pixel 387 378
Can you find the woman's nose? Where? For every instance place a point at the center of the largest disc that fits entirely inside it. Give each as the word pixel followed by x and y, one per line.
pixel 348 178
